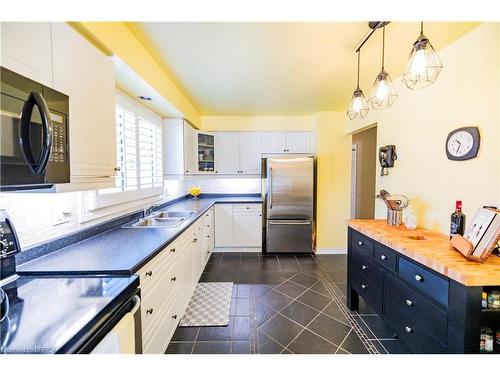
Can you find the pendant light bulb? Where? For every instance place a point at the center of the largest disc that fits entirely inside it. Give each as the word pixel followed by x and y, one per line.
pixel 383 93
pixel 423 65
pixel 359 106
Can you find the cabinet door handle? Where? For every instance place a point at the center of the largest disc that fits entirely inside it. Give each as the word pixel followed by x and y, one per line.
pixel 172 250
pixel 363 286
pixel 149 311
pixel 408 329
pixel 149 273
pixel 409 302
pixel 195 239
pixel 419 278
pixel 383 257
pixel 363 267
pixel 173 278
pixel 208 252
pixel 174 316
pixel 117 169
pixel 208 236
pixel 360 243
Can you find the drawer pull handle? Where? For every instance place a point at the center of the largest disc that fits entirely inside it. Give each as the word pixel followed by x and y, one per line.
pixel 208 225
pixel 173 278
pixel 174 316
pixel 408 329
pixel 383 257
pixel 172 250
pixel 195 240
pixel 409 302
pixel 363 286
pixel 149 273
pixel 208 252
pixel 363 267
pixel 419 278
pixel 149 311
pixel 360 243
pixel 208 236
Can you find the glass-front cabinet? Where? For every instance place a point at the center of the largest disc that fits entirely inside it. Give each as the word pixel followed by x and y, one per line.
pixel 205 154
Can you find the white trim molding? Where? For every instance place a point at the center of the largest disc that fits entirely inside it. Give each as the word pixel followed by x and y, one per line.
pixel 331 251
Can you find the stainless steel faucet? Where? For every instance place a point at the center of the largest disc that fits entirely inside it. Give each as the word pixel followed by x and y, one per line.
pixel 149 210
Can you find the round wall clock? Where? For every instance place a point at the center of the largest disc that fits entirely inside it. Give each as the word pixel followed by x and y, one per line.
pixel 463 143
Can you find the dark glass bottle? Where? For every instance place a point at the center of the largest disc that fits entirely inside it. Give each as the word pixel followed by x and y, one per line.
pixel 457 220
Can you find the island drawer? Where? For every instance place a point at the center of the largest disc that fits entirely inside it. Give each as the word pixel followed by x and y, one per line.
pixel 369 290
pixel 412 333
pixel 416 309
pixel 362 243
pixel 433 286
pixel 385 257
pixel 363 265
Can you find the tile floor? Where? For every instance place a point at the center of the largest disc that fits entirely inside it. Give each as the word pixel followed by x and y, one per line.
pixel 286 304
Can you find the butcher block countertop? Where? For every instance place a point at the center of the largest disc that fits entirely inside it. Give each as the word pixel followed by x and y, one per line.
pixel 434 251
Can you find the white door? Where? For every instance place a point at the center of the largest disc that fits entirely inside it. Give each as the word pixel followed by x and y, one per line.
pixel 250 153
pixel 27 50
pixel 247 225
pixel 273 142
pixel 87 76
pixel 227 153
pixel 298 142
pixel 224 225
pixel 189 149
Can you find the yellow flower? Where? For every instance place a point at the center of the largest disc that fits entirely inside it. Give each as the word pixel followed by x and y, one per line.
pixel 194 191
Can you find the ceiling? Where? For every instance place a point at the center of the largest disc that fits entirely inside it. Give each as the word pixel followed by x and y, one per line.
pixel 287 68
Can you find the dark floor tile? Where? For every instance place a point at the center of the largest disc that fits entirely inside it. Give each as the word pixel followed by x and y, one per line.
pixel 242 307
pixel 304 280
pixel 378 346
pixel 395 347
pixel 231 256
pixel 262 313
pixel 315 300
pixel 310 267
pixel 331 267
pixel 208 277
pixel 286 351
pixel 281 329
pixel 305 258
pixel 290 267
pixel 232 307
pixel 227 276
pixel 180 348
pixel 299 313
pixel 212 348
pixel 291 289
pixel 309 343
pixel 319 287
pixel 364 327
pixel 342 287
pixel 216 333
pixel 241 347
pixel 268 278
pixel 266 345
pixel 259 290
pixel 275 300
pixel 245 277
pixel 330 329
pixel 333 311
pixel 244 290
pixel 378 327
pixel 242 329
pixel 341 351
pixel 353 344
pixel 287 259
pixel 185 334
pixel 337 276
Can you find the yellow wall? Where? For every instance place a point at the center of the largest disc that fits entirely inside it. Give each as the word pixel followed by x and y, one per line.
pixel 116 38
pixel 465 94
pixel 256 123
pixel 333 148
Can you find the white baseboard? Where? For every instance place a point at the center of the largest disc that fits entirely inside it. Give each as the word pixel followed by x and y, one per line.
pixel 331 251
pixel 238 249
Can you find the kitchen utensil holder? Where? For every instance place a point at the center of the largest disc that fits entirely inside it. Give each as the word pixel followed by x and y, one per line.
pixel 394 217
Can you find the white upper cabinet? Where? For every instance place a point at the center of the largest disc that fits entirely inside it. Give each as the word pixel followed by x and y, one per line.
pixel 86 76
pixel 227 152
pixel 250 153
pixel 296 142
pixel 173 146
pixel 190 165
pixel 27 50
pixel 205 152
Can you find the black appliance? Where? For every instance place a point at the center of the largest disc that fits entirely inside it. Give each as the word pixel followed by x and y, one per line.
pixel 34 149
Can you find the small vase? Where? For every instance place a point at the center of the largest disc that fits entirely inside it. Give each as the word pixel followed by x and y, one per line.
pixel 194 197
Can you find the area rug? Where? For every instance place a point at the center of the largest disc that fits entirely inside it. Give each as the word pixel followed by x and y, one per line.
pixel 209 305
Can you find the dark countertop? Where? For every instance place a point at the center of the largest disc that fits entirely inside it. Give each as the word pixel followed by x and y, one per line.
pixel 53 314
pixel 122 251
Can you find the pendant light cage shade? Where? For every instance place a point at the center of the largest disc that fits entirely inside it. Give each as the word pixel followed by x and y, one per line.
pixel 383 93
pixel 359 106
pixel 423 65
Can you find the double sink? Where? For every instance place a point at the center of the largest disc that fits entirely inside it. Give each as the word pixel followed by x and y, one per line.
pixel 162 219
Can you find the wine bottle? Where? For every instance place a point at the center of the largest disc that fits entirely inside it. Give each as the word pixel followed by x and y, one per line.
pixel 457 220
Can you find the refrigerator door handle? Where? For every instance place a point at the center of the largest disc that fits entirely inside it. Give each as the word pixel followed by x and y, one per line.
pixel 291 222
pixel 270 188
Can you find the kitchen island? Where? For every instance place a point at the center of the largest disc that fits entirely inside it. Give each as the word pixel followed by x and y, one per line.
pixel 421 286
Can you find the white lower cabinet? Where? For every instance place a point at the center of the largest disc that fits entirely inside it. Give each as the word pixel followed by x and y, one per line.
pixel 238 225
pixel 168 281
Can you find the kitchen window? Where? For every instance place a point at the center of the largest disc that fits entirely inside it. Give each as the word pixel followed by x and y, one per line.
pixel 139 155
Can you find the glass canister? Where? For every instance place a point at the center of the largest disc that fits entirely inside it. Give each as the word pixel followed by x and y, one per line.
pixel 486 340
pixel 494 299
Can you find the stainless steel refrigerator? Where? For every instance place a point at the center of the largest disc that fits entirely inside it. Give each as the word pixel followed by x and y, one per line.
pixel 288 193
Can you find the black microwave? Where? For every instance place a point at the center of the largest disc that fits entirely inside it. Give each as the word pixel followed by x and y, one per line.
pixel 34 149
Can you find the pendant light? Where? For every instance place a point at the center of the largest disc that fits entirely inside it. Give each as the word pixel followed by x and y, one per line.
pixel 423 65
pixel 383 93
pixel 359 106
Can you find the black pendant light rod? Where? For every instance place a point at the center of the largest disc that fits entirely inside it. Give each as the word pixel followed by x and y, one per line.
pixel 374 26
pixel 383 46
pixel 359 52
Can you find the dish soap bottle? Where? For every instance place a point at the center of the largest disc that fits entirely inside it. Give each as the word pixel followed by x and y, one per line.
pixel 457 220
